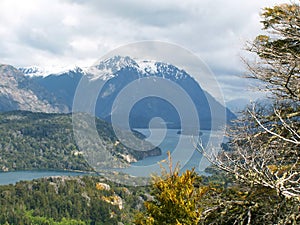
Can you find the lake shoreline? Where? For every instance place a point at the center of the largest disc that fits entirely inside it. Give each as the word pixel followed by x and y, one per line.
pixel 142 168
pixel 12 177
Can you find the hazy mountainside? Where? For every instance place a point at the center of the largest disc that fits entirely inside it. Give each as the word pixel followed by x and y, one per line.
pixel 20 92
pixel 63 85
pixel 46 141
pixel 117 72
pixel 237 105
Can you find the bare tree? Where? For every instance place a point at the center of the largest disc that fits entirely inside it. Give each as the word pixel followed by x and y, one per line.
pixel 264 147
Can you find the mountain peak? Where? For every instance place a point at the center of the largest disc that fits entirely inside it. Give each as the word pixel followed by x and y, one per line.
pixel 108 68
pixel 116 63
pixel 37 71
pixel 147 66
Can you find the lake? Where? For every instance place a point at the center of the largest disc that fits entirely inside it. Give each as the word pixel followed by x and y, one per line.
pixel 15 176
pixel 181 146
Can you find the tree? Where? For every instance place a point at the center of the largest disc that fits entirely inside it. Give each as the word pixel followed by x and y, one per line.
pixel 243 205
pixel 279 52
pixel 265 141
pixel 176 199
pixel 263 153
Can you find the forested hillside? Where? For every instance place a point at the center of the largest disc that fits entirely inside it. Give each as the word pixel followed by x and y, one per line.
pixel 46 141
pixel 70 200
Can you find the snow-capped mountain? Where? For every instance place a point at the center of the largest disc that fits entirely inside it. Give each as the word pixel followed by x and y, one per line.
pixel 109 68
pixel 37 71
pixel 32 71
pixel 113 65
pixel 116 73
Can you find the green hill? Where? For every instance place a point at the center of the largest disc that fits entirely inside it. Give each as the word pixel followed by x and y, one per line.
pixel 70 200
pixel 46 141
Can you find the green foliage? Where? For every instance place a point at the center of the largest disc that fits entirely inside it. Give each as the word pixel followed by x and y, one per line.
pixel 38 141
pixel 67 200
pixel 185 199
pixel 176 199
pixel 38 220
pixel 46 141
pixel 279 51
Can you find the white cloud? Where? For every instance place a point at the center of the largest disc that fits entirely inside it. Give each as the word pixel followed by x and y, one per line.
pixel 44 32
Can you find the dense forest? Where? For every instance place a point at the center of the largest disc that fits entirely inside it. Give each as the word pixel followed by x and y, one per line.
pixel 70 200
pixel 46 141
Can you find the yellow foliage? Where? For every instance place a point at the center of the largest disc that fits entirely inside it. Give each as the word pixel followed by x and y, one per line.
pixel 280 169
pixel 113 200
pixel 176 199
pixel 102 186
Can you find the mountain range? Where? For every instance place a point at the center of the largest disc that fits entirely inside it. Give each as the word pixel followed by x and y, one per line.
pixel 31 88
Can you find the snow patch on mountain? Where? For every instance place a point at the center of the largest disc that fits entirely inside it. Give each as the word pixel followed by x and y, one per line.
pixel 36 71
pixel 147 66
pixel 116 63
pixel 108 68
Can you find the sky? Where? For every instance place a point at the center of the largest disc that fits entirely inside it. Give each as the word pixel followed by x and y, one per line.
pixel 78 32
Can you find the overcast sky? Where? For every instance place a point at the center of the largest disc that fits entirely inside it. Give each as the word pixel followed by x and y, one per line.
pixel 78 32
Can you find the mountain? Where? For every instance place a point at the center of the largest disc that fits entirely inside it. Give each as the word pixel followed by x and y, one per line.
pixel 63 85
pixel 116 74
pixel 46 141
pixel 19 92
pixel 61 82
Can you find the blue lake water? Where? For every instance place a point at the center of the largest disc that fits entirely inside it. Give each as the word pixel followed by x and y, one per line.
pixel 182 148
pixel 15 176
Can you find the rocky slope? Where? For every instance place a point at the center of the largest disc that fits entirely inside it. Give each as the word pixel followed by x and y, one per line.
pixel 19 92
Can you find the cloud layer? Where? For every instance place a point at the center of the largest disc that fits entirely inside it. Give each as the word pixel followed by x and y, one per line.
pixel 54 32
